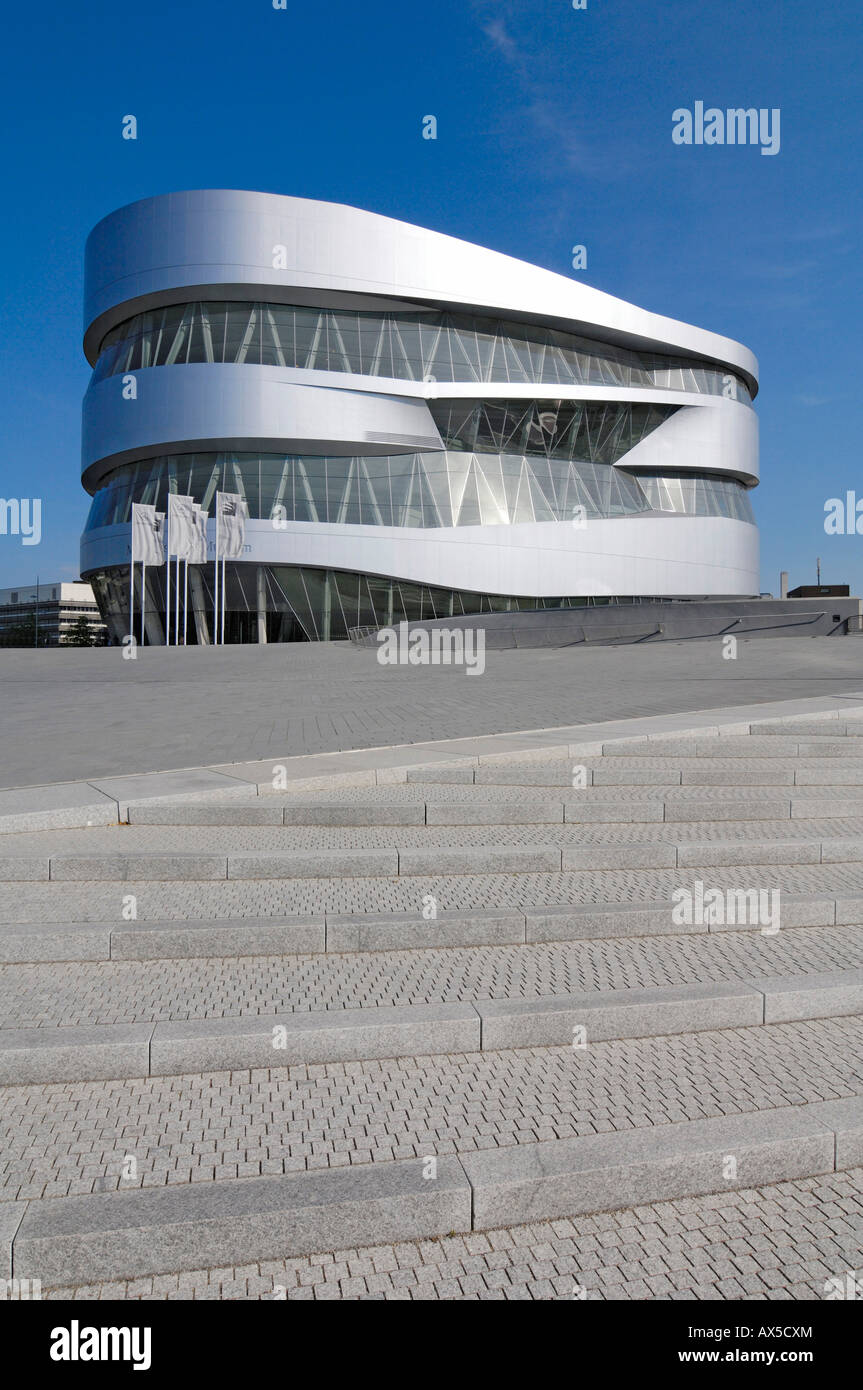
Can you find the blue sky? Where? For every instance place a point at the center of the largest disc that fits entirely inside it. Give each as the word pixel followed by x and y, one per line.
pixel 554 128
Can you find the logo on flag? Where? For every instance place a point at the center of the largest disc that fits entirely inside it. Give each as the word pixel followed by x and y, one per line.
pixel 231 514
pixel 199 557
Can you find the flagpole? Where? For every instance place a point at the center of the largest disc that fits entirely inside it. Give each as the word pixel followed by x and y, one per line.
pixel 168 573
pixel 143 597
pixel 185 602
pixel 216 609
pixel 177 603
pixel 132 586
pixel 224 577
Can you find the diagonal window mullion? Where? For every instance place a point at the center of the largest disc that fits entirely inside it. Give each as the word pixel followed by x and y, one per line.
pixel 247 336
pixel 274 333
pixel 180 336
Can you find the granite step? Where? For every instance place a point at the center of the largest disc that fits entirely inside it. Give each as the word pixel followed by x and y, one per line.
pixel 604 1172
pixel 119 1235
pixel 81 1240
pixel 364 932
pixel 177 1047
pixel 494 857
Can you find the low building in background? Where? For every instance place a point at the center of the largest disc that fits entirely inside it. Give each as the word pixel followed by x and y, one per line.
pixel 50 615
pixel 820 591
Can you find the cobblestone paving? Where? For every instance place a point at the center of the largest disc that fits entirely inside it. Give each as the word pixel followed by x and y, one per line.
pixel 216 900
pixel 312 697
pixel 772 1243
pixel 66 993
pixel 783 1242
pixel 235 839
pixel 72 1138
pixel 490 793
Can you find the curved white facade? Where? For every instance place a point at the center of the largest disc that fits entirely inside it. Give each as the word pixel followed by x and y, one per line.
pixel 434 425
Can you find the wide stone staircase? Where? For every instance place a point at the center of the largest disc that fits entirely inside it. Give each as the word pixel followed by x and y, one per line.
pixel 508 989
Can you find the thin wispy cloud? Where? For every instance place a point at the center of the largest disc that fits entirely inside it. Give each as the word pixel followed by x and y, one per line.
pixel 824 231
pixel 549 122
pixel 496 31
pixel 782 270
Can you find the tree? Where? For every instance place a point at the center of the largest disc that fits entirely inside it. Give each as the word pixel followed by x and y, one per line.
pixel 79 634
pixel 20 634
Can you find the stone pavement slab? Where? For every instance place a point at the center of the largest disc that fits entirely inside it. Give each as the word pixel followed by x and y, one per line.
pixel 832 992
pixel 555 1020
pixel 574 1176
pixel 27 942
pixel 123 1235
pixel 67 803
pixel 126 789
pixel 242 937
pixel 665 1250
pixel 335 1035
pixel 69 1054
pixel 93 868
pixel 410 930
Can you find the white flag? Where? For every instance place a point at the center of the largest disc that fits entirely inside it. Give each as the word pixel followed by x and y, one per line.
pixel 200 551
pixel 182 536
pixel 231 513
pixel 148 534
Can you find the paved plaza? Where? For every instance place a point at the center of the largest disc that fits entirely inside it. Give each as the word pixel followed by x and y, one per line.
pixel 423 1018
pixel 81 714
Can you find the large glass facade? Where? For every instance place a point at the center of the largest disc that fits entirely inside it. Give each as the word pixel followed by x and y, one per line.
pixel 415 346
pixel 592 431
pixel 302 604
pixel 422 490
pixel 696 494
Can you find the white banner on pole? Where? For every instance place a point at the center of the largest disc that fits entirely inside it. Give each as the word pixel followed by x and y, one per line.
pixel 181 525
pixel 148 534
pixel 199 555
pixel 231 514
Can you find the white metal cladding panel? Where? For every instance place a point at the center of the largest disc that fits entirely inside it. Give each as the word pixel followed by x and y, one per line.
pixel 721 437
pixel 646 555
pixel 247 408
pixel 226 237
pixel 279 410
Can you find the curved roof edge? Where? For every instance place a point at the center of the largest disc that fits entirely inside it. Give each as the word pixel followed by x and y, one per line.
pixel 176 242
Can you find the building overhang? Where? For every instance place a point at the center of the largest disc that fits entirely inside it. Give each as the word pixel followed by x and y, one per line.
pixel 222 244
